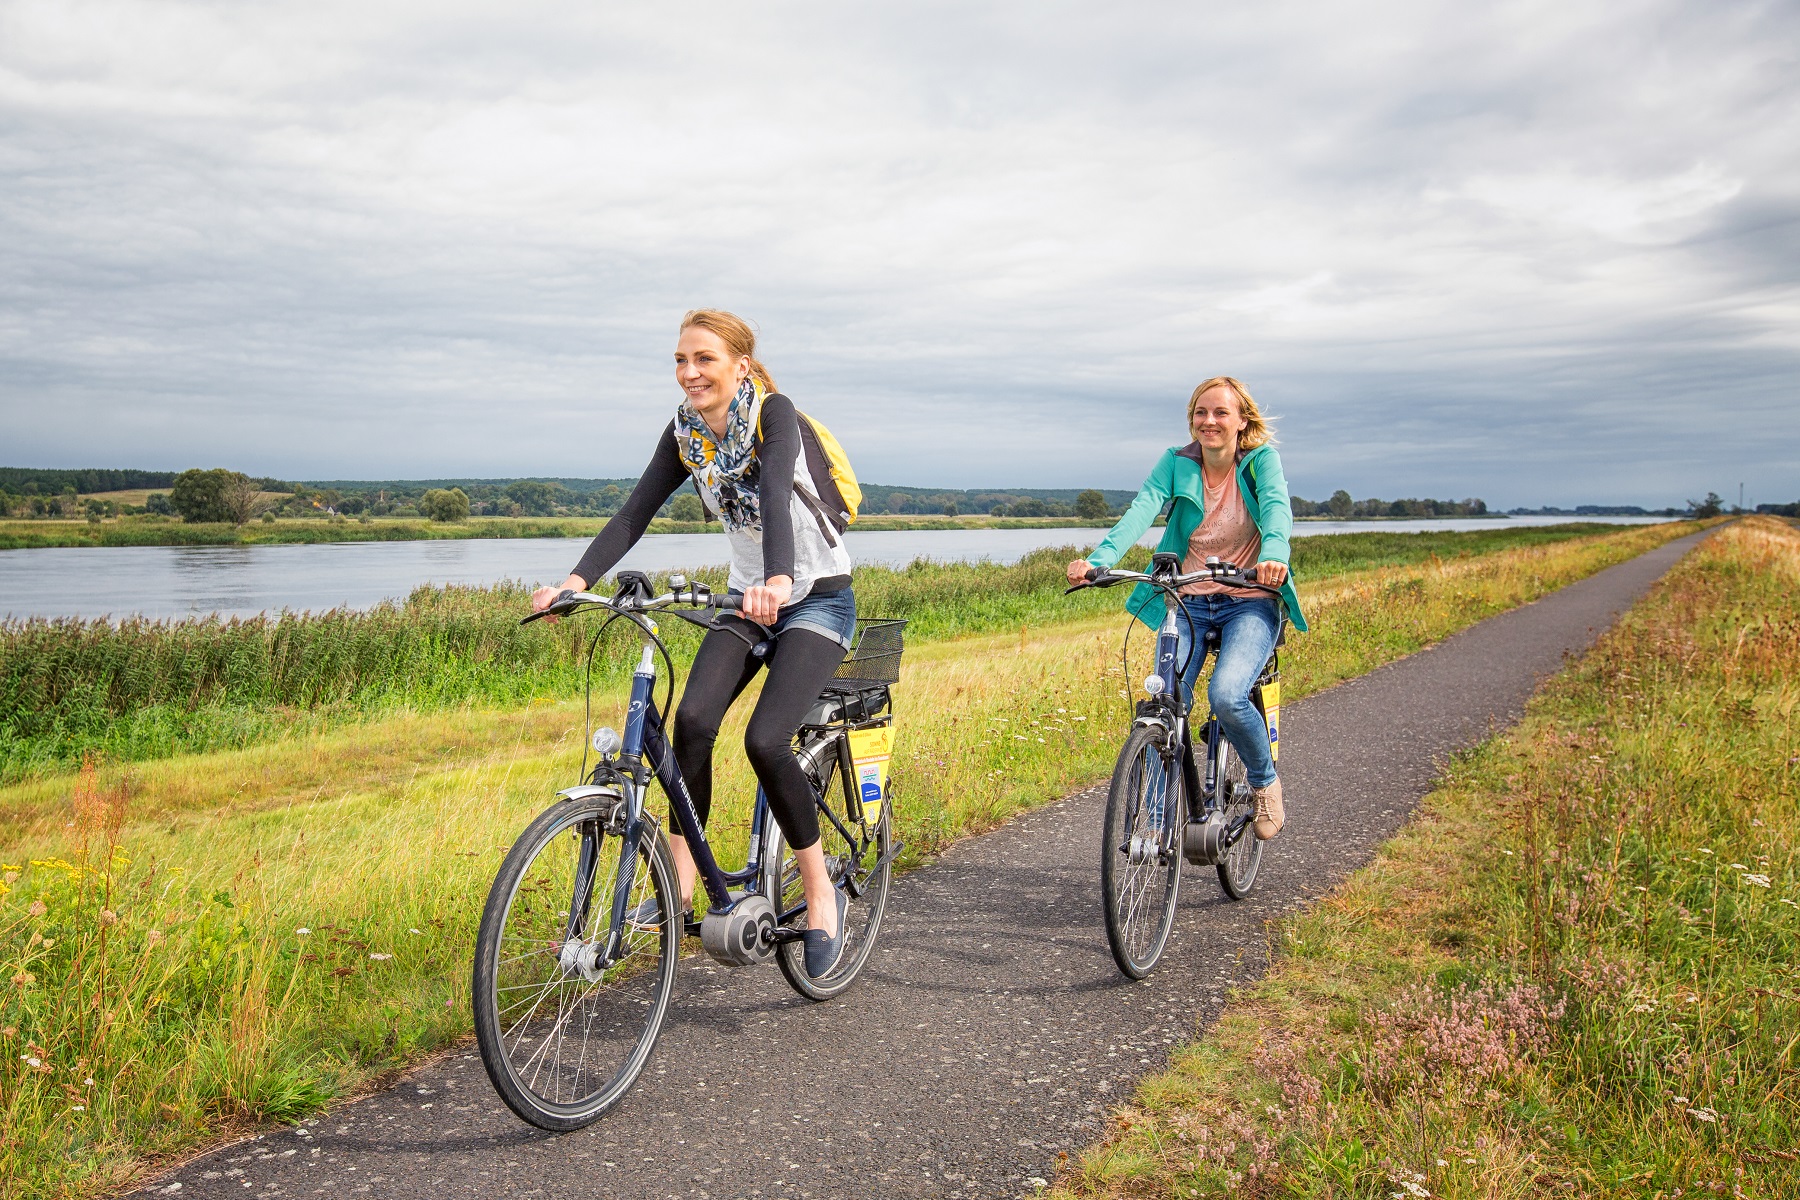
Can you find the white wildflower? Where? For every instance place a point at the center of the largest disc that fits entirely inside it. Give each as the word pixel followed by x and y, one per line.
pixel 381 957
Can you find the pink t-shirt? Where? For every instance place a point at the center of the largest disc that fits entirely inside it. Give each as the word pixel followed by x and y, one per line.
pixel 1227 533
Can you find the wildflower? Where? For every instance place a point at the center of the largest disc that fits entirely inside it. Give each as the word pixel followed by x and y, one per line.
pixel 108 917
pixel 1703 851
pixel 31 1060
pixel 38 908
pixel 422 934
pixel 1704 1114
pixel 303 931
pixel 153 939
pixel 24 979
pixel 381 957
pixel 1789 903
pixel 1738 867
pixel 1681 1100
pixel 1759 880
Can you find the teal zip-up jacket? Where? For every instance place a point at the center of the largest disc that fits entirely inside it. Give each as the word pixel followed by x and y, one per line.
pixel 1175 483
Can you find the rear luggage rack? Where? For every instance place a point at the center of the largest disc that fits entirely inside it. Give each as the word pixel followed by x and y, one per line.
pixel 874 659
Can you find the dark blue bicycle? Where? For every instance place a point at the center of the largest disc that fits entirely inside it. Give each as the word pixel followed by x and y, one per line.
pixel 1163 804
pixel 574 964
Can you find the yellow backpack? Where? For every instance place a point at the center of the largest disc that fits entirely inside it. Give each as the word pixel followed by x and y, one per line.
pixel 832 477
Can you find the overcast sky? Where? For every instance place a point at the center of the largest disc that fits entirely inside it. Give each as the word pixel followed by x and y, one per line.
pixel 1537 252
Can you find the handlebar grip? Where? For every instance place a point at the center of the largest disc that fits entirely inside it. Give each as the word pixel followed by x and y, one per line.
pixel 1094 573
pixel 721 600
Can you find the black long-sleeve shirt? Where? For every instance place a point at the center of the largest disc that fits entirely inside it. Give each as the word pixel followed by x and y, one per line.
pixel 776 454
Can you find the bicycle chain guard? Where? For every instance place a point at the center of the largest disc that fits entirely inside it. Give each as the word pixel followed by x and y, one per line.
pixel 741 935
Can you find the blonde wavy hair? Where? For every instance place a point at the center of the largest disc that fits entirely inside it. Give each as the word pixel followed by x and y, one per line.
pixel 1258 429
pixel 735 332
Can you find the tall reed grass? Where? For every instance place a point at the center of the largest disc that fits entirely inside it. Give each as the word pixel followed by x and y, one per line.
pixel 241 936
pixel 1574 973
pixel 143 689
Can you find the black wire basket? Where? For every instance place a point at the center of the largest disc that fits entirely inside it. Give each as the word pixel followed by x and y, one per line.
pixel 874 659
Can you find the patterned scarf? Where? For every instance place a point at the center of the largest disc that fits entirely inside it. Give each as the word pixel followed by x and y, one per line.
pixel 726 466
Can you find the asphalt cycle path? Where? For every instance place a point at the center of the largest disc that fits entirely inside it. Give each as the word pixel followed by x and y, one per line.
pixel 991 1031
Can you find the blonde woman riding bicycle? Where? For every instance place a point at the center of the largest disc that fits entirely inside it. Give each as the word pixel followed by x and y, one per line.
pixel 1227 499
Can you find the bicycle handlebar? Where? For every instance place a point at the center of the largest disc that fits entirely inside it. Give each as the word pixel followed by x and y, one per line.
pixel 569 601
pixel 1214 571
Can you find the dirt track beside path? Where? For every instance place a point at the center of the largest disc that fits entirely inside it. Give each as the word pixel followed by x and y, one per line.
pixel 991 1030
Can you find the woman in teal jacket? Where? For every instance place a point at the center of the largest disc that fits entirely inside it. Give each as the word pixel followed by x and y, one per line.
pixel 1226 497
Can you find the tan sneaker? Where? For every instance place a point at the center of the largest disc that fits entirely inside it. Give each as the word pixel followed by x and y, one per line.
pixel 1271 814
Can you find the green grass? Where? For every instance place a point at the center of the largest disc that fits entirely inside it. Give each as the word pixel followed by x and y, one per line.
pixel 140 690
pixel 150 940
pixel 1574 973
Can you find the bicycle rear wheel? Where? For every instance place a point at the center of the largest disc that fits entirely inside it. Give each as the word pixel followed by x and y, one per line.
pixel 858 857
pixel 1239 865
pixel 563 1041
pixel 1140 859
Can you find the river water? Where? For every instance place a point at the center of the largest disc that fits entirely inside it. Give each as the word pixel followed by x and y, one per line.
pixel 188 581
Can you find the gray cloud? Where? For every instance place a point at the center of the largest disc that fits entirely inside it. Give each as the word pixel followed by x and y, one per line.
pixel 1545 253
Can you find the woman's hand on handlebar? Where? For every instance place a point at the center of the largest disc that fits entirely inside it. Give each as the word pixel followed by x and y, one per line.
pixel 1272 573
pixel 763 604
pixel 1078 570
pixel 544 597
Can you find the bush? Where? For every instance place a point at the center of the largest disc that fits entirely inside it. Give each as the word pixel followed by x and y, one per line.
pixel 687 507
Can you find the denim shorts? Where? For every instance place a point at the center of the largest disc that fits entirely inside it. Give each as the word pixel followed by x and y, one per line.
pixel 831 615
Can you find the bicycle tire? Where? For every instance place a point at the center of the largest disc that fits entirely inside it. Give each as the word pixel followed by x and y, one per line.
pixel 863 916
pixel 518 969
pixel 1138 890
pixel 1239 866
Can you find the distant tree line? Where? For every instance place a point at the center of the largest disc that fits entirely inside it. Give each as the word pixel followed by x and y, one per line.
pixel 1343 508
pixel 33 481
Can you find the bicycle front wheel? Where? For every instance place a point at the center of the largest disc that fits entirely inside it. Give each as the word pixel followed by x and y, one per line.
pixel 563 1037
pixel 1140 855
pixel 859 859
pixel 1239 865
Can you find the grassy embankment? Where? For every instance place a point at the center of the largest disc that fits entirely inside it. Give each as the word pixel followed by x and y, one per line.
pixel 167 531
pixel 152 939
pixel 147 689
pixel 1577 972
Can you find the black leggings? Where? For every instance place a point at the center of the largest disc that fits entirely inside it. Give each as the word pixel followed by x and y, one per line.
pixel 799 664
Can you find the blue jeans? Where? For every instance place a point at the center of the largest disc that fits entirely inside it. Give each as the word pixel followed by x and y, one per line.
pixel 1246 636
pixel 832 615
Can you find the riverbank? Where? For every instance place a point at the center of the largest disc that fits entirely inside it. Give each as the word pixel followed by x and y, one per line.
pixel 167 531
pixel 1572 973
pixel 51 533
pixel 136 689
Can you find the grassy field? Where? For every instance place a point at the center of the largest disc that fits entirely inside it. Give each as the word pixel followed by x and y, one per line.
pixel 1575 972
pixel 208 940
pixel 141 690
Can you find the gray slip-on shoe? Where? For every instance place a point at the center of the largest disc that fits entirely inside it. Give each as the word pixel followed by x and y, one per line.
pixel 823 950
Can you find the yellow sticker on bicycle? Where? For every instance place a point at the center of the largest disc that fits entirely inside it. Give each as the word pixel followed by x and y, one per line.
pixel 1271 698
pixel 870 751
